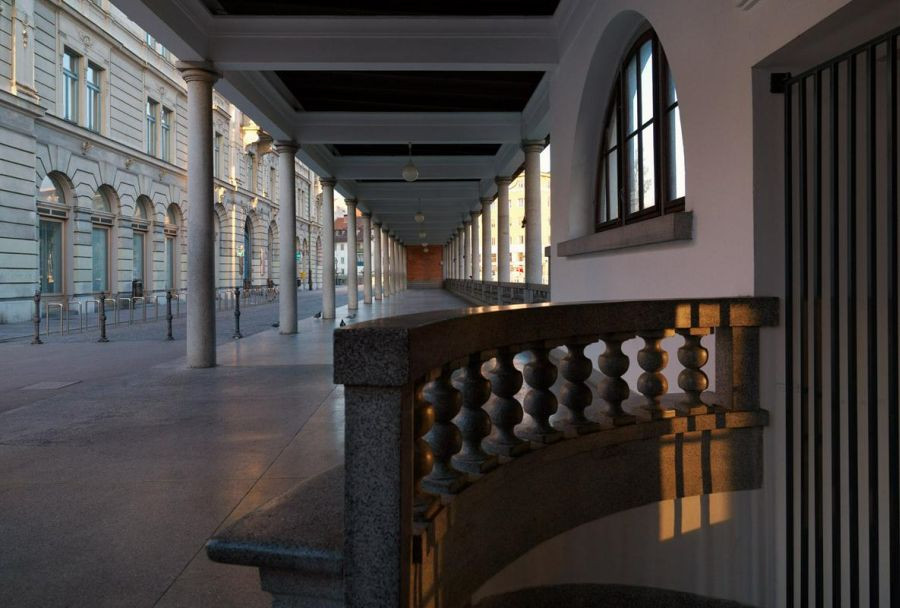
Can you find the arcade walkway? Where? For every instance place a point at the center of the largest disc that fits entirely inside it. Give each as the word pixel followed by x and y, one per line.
pixel 110 486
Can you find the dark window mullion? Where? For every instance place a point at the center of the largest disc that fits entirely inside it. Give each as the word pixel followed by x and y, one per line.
pixel 621 186
pixel 659 182
pixel 638 182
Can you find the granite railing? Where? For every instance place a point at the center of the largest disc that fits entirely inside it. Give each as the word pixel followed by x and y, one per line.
pixel 492 292
pixel 454 468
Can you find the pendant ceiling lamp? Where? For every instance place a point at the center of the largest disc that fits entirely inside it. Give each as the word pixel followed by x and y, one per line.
pixel 410 172
pixel 422 235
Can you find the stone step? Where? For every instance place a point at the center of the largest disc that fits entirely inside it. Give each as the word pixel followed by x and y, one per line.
pixel 601 596
pixel 296 541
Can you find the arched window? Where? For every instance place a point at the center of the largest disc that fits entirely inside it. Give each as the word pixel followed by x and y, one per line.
pixel 139 240
pixel 171 229
pixel 52 216
pixel 104 205
pixel 247 273
pixel 641 161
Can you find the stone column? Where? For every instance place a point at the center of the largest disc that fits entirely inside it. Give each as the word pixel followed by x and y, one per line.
pixel 201 293
pixel 327 247
pixel 486 274
pixel 287 235
pixel 476 246
pixel 533 251
pixel 367 257
pixel 386 241
pixel 352 289
pixel 503 229
pixel 378 266
pixel 462 253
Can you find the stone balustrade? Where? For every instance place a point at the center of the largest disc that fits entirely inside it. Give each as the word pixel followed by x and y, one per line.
pixel 492 292
pixel 473 435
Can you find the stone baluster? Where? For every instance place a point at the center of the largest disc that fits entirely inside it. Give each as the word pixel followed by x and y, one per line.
pixel 444 438
pixel 692 379
pixel 540 402
pixel 504 408
pixel 423 459
pixel 653 358
pixel 472 421
pixel 575 394
pixel 613 363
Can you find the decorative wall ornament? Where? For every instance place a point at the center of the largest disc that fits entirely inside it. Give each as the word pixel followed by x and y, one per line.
pixel 85 146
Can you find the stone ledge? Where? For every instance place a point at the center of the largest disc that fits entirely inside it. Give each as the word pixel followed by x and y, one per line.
pixel 301 531
pixel 663 229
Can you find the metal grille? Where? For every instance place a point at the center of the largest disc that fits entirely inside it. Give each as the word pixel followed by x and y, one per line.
pixel 841 283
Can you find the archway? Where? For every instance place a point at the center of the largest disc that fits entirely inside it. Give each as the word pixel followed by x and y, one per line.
pixel 173 236
pixel 55 235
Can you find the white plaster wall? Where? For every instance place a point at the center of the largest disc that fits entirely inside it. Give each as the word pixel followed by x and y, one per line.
pixel 711 47
pixel 721 59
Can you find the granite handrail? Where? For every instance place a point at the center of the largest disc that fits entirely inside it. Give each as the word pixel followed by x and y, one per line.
pixel 423 425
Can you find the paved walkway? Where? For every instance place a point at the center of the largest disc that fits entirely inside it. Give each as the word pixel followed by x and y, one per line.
pixel 110 486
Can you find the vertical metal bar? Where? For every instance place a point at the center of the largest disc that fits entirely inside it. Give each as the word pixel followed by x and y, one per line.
pixel 804 348
pixel 818 482
pixel 852 345
pixel 834 333
pixel 789 344
pixel 872 321
pixel 892 335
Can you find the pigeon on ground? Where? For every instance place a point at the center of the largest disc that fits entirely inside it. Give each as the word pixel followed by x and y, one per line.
pixel 343 324
pixel 318 315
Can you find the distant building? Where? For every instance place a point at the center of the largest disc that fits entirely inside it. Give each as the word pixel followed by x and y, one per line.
pixel 93 153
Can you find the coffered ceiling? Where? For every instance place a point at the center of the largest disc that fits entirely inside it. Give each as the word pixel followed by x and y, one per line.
pixel 355 81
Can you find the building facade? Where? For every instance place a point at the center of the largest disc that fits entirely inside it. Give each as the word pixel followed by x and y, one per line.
pixel 93 158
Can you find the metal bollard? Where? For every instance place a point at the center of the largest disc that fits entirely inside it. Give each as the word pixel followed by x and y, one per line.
pixel 102 318
pixel 169 316
pixel 237 314
pixel 37 318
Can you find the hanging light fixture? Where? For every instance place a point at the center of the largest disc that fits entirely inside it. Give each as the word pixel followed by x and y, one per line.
pixel 410 172
pixel 420 217
pixel 422 235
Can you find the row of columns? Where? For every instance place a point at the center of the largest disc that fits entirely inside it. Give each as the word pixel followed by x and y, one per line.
pixel 387 267
pixel 384 272
pixel 465 249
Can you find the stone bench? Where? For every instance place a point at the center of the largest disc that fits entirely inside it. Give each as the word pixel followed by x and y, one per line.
pixel 296 541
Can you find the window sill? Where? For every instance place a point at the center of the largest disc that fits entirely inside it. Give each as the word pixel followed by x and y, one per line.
pixel 670 227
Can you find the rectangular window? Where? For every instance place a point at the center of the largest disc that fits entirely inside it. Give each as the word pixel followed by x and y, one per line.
pixel 272 183
pixel 170 262
pixel 166 135
pixel 51 256
pixel 251 172
pixel 92 97
pixel 100 255
pixel 217 155
pixel 152 119
pixel 70 85
pixel 137 267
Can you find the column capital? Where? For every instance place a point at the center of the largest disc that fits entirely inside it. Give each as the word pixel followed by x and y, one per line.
pixel 533 145
pixel 503 180
pixel 366 215
pixel 327 181
pixel 286 147
pixel 351 202
pixel 377 224
pixel 475 214
pixel 198 70
pixel 486 201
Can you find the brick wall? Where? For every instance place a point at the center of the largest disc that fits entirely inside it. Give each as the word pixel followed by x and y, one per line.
pixel 424 267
